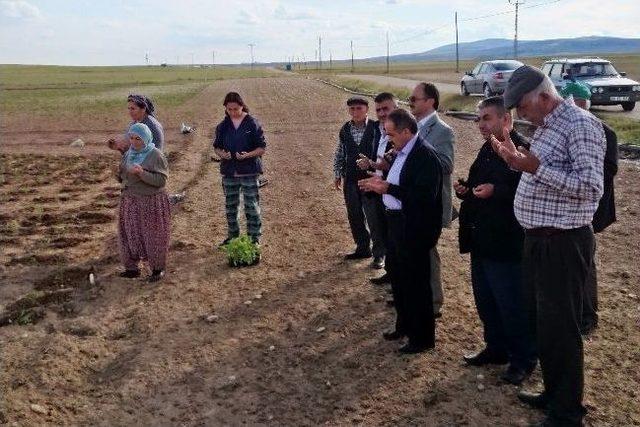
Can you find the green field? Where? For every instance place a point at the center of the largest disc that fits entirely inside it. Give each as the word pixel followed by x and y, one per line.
pixel 49 89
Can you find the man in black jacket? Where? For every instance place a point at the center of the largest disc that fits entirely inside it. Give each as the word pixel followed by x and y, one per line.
pixel 605 214
pixel 355 139
pixel 412 196
pixel 491 233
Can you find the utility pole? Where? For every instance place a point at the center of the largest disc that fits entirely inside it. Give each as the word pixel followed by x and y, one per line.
pixel 315 58
pixel 516 3
pixel 352 67
pixel 192 60
pixel 251 45
pixel 146 58
pixel 213 59
pixel 387 51
pixel 330 61
pixel 457 52
pixel 320 52
pixel 178 60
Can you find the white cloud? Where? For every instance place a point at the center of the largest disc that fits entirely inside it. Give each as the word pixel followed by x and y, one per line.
pixel 247 18
pixel 20 9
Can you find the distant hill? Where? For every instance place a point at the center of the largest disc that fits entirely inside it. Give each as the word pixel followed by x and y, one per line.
pixel 496 48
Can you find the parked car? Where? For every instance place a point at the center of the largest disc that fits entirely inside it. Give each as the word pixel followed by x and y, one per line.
pixel 608 86
pixel 489 77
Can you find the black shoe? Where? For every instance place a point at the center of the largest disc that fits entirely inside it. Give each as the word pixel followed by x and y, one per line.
pixel 514 375
pixel 378 262
pixel 358 254
pixel 392 335
pixel 437 315
pixel 485 357
pixel 262 182
pixel 588 329
pixel 391 302
pixel 385 278
pixel 414 349
pixel 130 274
pixel 535 400
pixel 156 275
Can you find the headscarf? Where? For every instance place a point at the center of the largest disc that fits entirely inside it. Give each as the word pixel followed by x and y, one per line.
pixel 134 156
pixel 143 102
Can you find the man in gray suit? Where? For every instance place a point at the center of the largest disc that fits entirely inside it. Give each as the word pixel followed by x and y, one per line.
pixel 424 102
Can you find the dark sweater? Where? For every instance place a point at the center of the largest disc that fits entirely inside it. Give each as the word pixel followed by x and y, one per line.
pixel 248 137
pixel 488 227
pixel 606 213
pixel 352 150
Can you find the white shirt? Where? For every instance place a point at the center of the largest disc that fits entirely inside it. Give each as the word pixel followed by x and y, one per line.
pixel 382 145
pixel 389 201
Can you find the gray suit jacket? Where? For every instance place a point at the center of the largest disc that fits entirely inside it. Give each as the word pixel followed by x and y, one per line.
pixel 439 135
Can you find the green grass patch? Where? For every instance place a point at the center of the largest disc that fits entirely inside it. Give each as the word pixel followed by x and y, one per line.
pixel 628 130
pixel 51 89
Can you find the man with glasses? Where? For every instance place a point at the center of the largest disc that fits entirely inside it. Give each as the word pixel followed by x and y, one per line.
pixel 355 139
pixel 424 102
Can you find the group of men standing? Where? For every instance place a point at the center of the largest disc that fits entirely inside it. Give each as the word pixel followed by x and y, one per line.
pixel 525 217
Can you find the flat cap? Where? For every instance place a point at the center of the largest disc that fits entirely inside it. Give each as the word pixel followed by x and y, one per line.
pixel 357 100
pixel 522 81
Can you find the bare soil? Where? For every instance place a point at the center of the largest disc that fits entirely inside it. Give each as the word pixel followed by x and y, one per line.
pixel 297 338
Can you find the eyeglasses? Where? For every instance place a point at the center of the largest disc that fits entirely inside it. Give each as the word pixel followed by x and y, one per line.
pixel 415 98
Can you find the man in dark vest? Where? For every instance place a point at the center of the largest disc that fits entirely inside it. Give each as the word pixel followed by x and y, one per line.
pixel 606 213
pixel 356 138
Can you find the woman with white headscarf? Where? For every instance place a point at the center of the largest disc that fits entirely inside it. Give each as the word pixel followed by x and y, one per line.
pixel 145 217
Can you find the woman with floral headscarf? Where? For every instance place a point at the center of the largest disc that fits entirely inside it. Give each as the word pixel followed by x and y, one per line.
pixel 145 218
pixel 141 110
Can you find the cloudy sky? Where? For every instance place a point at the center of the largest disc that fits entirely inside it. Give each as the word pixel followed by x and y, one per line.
pixel 95 32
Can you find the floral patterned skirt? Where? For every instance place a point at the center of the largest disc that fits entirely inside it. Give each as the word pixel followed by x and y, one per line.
pixel 143 230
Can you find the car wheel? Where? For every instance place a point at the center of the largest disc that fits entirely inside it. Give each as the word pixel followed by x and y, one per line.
pixel 486 90
pixel 628 106
pixel 463 90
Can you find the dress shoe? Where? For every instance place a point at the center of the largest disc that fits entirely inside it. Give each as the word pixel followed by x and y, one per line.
pixel 225 242
pixel 385 278
pixel 378 262
pixel 358 254
pixel 535 400
pixel 130 274
pixel 485 357
pixel 156 275
pixel 392 335
pixel 514 375
pixel 414 349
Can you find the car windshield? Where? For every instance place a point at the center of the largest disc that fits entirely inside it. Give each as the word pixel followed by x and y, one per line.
pixel 506 66
pixel 591 69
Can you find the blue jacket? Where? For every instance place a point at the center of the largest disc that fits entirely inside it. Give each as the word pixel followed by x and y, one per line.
pixel 247 137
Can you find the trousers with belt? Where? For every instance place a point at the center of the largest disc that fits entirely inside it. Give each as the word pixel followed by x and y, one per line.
pixel 409 269
pixel 556 265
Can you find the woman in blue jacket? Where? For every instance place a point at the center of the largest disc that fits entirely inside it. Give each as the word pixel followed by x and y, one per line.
pixel 239 142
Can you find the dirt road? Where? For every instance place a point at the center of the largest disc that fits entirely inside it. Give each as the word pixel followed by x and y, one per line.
pixel 297 340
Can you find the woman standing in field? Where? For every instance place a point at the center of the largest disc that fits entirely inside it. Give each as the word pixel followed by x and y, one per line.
pixel 145 218
pixel 141 110
pixel 239 142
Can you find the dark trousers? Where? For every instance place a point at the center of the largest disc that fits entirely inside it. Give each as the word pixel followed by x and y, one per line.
pixel 497 290
pixel 364 213
pixel 590 299
pixel 555 270
pixel 408 266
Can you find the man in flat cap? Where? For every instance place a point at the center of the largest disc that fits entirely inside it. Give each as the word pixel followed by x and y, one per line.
pixel 558 193
pixel 356 137
pixel 606 213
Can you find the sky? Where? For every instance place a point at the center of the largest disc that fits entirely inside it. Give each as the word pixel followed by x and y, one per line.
pixel 94 32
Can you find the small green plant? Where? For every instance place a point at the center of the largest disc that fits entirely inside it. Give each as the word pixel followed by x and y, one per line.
pixel 25 317
pixel 241 251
